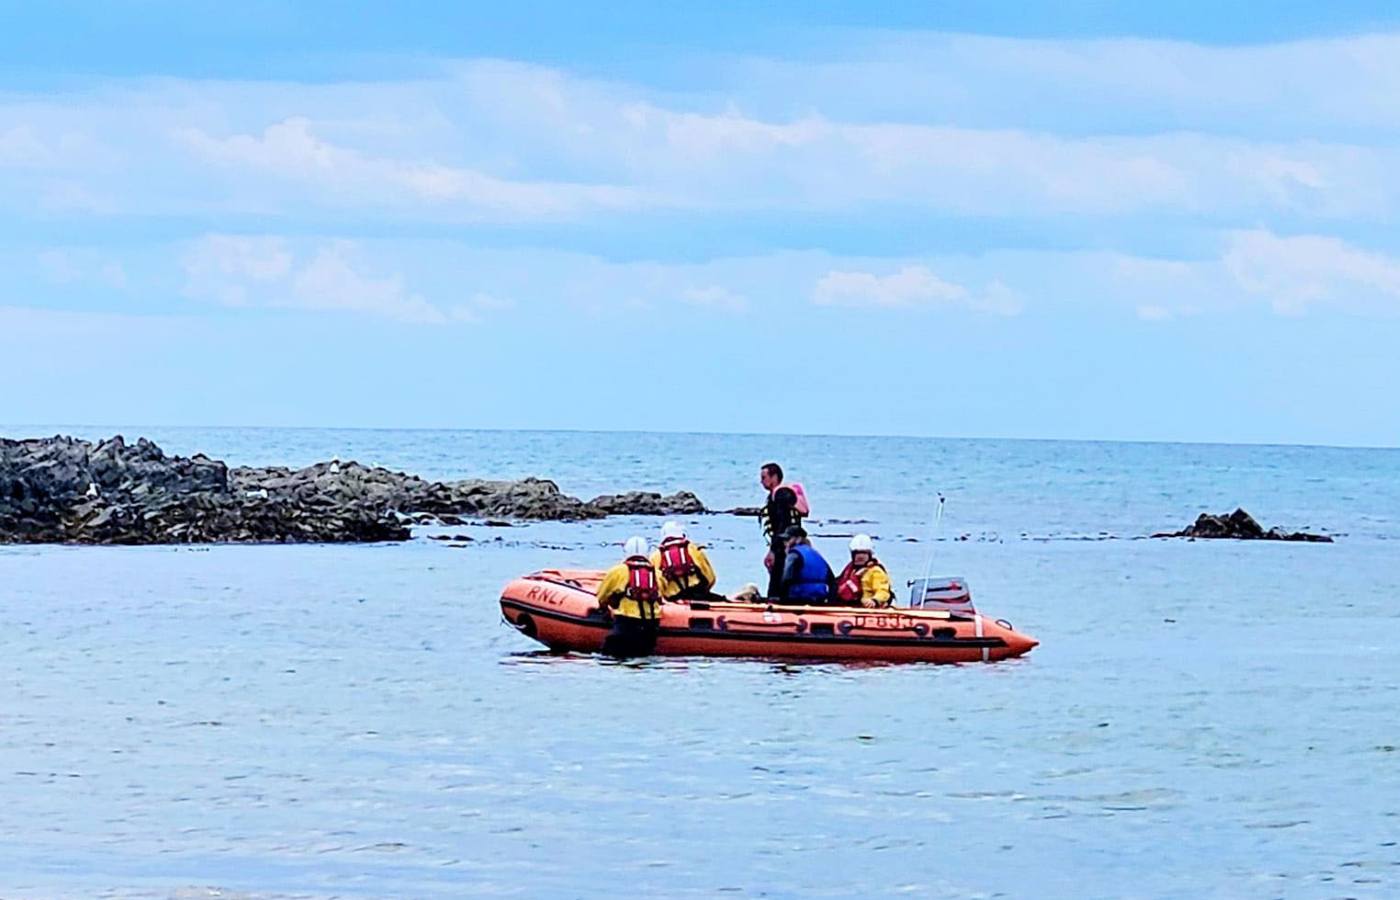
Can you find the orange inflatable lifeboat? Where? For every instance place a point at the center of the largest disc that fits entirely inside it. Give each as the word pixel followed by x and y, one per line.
pixel 559 609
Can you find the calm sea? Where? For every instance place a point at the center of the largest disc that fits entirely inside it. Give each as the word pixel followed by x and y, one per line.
pixel 1201 719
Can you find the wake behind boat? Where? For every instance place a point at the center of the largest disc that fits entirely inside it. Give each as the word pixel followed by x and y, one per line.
pixel 559 608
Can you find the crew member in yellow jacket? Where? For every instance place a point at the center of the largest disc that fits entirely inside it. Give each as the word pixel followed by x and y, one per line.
pixel 864 581
pixel 685 570
pixel 631 591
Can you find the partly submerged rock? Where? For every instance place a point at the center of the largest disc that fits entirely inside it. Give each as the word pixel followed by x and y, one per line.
pixel 1239 525
pixel 642 503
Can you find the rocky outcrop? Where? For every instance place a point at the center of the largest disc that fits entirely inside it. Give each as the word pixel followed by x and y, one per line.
pixel 337 482
pixel 1239 525
pixel 63 490
pixel 639 503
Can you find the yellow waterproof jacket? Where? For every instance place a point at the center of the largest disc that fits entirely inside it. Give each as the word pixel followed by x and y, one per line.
pixel 875 586
pixel 672 589
pixel 612 593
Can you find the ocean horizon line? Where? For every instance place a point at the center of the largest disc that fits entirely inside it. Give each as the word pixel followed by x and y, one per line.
pixel 5 428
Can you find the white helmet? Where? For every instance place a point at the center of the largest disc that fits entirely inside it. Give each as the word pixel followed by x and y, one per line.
pixel 672 529
pixel 862 543
pixel 635 546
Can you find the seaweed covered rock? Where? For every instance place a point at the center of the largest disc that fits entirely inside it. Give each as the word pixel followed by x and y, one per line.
pixel 1241 526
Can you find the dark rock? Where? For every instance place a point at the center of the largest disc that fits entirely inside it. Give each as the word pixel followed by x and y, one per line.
pixel 70 491
pixel 642 503
pixel 1277 535
pixel 1239 525
pixel 746 511
pixel 63 490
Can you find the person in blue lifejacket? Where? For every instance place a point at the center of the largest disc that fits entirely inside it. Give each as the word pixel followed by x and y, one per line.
pixel 807 578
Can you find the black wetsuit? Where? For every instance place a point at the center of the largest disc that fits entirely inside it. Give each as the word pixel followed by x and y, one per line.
pixel 779 513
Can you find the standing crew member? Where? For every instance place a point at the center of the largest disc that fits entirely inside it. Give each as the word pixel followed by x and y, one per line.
pixel 631 591
pixel 685 570
pixel 807 579
pixel 785 508
pixel 864 581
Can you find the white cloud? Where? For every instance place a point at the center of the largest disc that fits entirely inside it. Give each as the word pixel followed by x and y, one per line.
pixel 502 142
pixel 997 298
pixel 494 141
pixel 69 197
pixel 59 267
pixel 1295 88
pixel 266 271
pixel 112 274
pixel 1137 269
pixel 415 281
pixel 21 147
pixel 489 302
pixel 478 305
pixel 738 159
pixel 330 281
pixel 1295 272
pixel 291 149
pixel 910 286
pixel 226 268
pixel 744 162
pixel 696 136
pixel 716 297
pixel 72 267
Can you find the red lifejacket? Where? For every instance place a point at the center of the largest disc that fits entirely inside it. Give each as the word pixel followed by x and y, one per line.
pixel 848 585
pixel 677 562
pixel 641 581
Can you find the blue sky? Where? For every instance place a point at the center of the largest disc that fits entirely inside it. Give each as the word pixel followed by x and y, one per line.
pixel 1079 220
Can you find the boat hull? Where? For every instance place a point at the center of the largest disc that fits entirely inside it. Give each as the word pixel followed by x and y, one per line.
pixel 558 608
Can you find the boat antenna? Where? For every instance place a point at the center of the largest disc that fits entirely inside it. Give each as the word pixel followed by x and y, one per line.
pixel 933 536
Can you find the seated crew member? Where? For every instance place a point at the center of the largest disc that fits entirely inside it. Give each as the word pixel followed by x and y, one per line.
pixel 807 579
pixel 684 569
pixel 864 581
pixel 631 591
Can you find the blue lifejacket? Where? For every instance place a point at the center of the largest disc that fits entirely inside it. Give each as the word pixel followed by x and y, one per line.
pixel 813 582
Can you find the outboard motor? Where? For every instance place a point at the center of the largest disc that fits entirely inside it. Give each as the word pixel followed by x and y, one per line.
pixel 951 594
